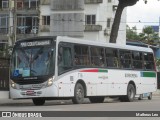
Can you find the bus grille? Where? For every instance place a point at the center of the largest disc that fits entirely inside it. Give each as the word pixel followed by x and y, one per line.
pixel 25 82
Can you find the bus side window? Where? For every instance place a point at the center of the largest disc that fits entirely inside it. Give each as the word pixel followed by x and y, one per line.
pixel 81 55
pixel 64 59
pixel 137 60
pixel 125 59
pixel 97 56
pixel 112 57
pixel 148 61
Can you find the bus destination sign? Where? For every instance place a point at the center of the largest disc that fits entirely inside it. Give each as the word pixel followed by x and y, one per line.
pixel 35 43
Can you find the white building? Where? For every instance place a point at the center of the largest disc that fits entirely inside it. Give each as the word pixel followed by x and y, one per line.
pixel 86 19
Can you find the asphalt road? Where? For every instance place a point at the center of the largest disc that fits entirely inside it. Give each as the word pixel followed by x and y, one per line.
pixel 67 105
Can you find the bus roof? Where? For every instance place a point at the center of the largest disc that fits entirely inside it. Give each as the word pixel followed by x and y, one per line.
pixel 103 44
pixel 88 42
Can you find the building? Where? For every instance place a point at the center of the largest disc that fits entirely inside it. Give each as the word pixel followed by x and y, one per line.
pixel 86 19
pixel 155 28
pixel 20 19
pixel 27 18
pixel 4 23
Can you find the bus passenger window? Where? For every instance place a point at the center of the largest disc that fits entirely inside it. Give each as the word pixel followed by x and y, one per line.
pixel 97 56
pixel 81 55
pixel 148 61
pixel 112 57
pixel 125 59
pixel 137 60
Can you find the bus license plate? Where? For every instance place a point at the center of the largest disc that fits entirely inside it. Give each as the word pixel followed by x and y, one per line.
pixel 145 95
pixel 30 92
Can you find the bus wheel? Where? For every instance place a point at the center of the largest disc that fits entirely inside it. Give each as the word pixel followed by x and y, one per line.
pixel 38 101
pixel 96 99
pixel 150 96
pixel 130 93
pixel 78 94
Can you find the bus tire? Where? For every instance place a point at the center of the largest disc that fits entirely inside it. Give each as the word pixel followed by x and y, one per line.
pixel 78 94
pixel 150 96
pixel 38 101
pixel 130 93
pixel 96 99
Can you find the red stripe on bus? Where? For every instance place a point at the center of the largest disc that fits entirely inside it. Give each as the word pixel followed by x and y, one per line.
pixel 91 70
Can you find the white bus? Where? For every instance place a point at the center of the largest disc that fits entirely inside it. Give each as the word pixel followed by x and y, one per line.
pixel 45 68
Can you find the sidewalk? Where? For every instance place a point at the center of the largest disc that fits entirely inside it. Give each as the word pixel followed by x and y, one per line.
pixel 157 93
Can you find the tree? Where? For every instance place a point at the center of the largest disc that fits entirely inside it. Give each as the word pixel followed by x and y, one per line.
pixel 115 27
pixel 148 35
pixel 132 33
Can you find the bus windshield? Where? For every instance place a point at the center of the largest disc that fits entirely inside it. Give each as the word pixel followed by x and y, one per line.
pixel 33 61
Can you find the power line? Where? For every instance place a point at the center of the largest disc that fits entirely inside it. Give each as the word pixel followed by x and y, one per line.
pixel 70 20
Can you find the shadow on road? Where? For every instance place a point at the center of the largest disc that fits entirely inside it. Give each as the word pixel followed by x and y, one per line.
pixel 28 102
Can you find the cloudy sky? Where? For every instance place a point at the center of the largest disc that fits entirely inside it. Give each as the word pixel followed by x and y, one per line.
pixel 143 14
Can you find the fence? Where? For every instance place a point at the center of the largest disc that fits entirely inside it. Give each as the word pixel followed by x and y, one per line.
pixel 158 80
pixel 4 74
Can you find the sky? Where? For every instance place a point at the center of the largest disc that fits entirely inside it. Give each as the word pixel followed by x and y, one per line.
pixel 142 14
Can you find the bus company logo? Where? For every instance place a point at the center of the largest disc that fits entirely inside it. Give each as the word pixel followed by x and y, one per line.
pixel 131 75
pixel 103 77
pixel 6 114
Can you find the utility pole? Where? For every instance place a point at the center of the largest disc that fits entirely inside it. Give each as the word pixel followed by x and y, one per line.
pixel 15 22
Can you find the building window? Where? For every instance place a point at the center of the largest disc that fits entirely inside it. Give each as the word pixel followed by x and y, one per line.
pixel 45 20
pixel 19 4
pixel 108 22
pixel 3 24
pixel 27 4
pixel 5 4
pixel 27 24
pixel 90 19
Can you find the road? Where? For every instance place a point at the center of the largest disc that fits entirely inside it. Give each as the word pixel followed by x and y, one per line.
pixel 66 105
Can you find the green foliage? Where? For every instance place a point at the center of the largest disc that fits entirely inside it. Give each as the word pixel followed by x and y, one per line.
pixel 158 63
pixel 147 36
pixel 132 33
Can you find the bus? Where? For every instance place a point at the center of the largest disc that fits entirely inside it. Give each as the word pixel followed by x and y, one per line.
pixel 53 68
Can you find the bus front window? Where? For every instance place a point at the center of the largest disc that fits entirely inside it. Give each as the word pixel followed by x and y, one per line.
pixel 30 62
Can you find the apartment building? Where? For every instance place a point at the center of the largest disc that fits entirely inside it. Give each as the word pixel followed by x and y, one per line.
pixel 27 17
pixel 4 23
pixel 85 19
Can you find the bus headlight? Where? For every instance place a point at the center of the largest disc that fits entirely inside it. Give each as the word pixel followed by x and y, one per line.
pixel 13 84
pixel 50 81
